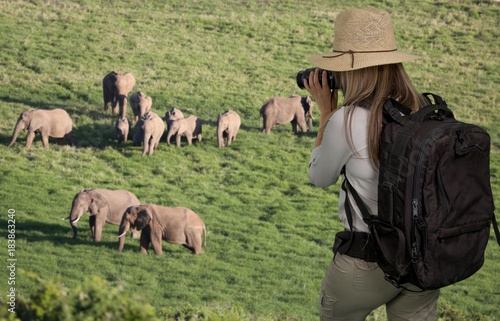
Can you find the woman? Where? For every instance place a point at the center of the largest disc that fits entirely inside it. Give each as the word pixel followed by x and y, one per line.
pixel 368 69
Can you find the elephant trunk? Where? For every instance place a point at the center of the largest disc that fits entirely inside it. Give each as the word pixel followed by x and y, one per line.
pixel 122 103
pixel 310 123
pixel 17 129
pixel 73 220
pixel 169 135
pixel 124 227
pixel 74 226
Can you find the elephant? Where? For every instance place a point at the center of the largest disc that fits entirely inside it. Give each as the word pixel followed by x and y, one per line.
pixel 228 125
pixel 141 104
pixel 149 130
pixel 122 126
pixel 280 110
pixel 115 89
pixel 189 127
pixel 171 115
pixel 48 122
pixel 176 225
pixel 103 206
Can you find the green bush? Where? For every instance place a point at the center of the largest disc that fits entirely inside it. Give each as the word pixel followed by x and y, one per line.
pixel 95 299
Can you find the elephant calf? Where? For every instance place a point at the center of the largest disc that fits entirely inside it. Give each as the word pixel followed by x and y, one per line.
pixel 103 206
pixel 294 109
pixel 49 123
pixel 189 127
pixel 228 125
pixel 177 225
pixel 149 130
pixel 122 126
pixel 141 104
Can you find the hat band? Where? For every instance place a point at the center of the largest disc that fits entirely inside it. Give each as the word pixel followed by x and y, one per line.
pixel 352 52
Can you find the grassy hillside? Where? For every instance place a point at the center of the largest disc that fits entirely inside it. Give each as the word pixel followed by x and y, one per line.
pixel 269 231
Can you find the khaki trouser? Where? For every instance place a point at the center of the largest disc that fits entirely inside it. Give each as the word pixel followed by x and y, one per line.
pixel 352 288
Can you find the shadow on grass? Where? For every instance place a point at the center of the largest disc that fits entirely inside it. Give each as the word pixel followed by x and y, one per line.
pixel 36 232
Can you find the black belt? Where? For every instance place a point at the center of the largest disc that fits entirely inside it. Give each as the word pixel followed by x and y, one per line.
pixel 355 244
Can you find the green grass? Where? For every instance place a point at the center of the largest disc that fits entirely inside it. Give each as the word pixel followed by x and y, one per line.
pixel 269 231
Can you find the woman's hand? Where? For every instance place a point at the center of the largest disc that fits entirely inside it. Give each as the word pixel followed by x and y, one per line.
pixel 324 97
pixel 321 92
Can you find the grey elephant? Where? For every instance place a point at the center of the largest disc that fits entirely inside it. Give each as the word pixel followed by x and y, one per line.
pixel 141 104
pixel 103 206
pixel 173 114
pixel 177 225
pixel 280 110
pixel 189 127
pixel 122 126
pixel 228 125
pixel 148 131
pixel 48 122
pixel 115 89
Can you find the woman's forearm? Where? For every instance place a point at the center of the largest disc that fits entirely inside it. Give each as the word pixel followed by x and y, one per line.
pixel 323 121
pixel 325 114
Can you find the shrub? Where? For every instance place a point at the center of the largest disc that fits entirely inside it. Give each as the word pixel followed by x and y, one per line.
pixel 94 299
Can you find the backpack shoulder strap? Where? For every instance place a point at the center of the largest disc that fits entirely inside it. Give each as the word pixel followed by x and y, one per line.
pixel 348 188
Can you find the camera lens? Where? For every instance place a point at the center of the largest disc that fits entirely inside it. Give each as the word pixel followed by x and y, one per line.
pixel 304 74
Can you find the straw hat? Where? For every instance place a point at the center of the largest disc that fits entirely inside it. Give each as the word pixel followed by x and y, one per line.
pixel 363 38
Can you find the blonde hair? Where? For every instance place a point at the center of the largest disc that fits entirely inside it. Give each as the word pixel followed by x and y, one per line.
pixel 369 88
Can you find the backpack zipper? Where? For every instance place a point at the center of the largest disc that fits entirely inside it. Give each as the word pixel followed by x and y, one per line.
pixel 417 218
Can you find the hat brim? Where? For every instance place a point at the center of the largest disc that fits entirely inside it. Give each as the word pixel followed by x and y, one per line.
pixel 348 61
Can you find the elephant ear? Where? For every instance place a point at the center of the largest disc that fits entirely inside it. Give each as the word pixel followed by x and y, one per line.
pixel 306 103
pixel 309 101
pixel 26 117
pixel 97 202
pixel 143 219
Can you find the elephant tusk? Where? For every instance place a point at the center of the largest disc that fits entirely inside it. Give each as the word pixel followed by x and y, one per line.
pixel 75 220
pixel 122 234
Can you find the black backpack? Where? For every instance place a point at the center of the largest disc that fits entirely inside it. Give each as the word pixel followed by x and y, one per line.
pixel 435 204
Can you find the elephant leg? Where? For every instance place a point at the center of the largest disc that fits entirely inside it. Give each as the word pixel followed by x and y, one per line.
pixel 29 139
pixel 294 126
pixel 268 124
pixel 69 139
pixel 302 124
pixel 155 143
pixel 199 137
pixel 178 140
pixel 194 242
pixel 114 105
pixel 156 241
pixel 45 140
pixel 98 231
pixel 189 137
pixel 92 226
pixel 145 240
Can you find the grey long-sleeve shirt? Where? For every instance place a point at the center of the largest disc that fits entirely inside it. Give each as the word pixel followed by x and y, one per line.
pixel 327 160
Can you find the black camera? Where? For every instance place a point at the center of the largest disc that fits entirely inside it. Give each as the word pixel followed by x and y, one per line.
pixel 304 74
